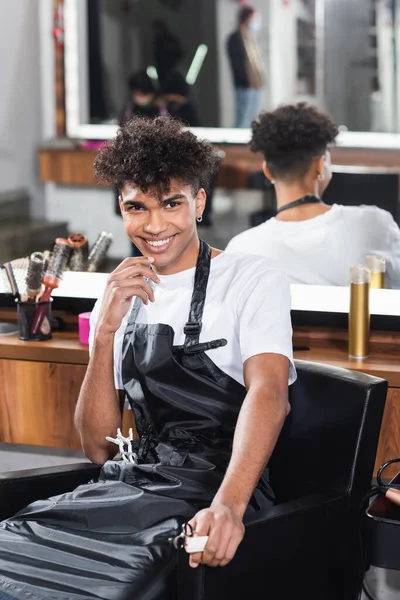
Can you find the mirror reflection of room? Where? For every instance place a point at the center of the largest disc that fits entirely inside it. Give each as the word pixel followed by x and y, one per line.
pixel 210 64
pixel 237 57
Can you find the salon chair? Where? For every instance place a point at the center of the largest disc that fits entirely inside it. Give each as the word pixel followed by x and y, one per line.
pixel 308 544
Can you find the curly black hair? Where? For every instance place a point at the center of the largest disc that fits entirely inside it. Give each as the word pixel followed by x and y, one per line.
pixel 291 136
pixel 151 152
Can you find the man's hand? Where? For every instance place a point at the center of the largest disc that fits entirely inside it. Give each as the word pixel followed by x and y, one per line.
pixel 126 281
pixel 225 531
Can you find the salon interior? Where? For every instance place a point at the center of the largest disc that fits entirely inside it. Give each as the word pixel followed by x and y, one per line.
pixel 71 72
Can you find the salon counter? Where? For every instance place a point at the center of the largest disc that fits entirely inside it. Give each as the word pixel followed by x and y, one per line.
pixel 41 382
pixel 73 166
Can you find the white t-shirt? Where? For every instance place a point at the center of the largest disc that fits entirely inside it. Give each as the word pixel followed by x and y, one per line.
pixel 320 251
pixel 246 303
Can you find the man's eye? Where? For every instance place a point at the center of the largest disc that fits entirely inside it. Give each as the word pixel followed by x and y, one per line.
pixel 135 207
pixel 172 204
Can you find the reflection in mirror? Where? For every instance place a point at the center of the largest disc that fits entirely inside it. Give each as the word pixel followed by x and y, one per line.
pixel 217 62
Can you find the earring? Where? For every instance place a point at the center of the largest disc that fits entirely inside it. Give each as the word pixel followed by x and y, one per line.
pixel 321 177
pixel 273 181
pixel 199 219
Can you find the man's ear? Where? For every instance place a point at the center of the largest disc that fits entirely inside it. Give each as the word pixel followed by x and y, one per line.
pixel 266 171
pixel 121 206
pixel 320 166
pixel 201 200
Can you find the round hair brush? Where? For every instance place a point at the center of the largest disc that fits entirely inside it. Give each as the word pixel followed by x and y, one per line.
pixel 99 250
pixel 58 261
pixel 34 276
pixel 80 252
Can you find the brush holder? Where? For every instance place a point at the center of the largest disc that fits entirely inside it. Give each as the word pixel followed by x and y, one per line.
pixel 26 314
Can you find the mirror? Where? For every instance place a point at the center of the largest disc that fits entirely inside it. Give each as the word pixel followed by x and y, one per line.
pixel 337 54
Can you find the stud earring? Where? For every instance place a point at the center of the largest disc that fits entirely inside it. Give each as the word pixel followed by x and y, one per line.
pixel 321 177
pixel 199 219
pixel 273 181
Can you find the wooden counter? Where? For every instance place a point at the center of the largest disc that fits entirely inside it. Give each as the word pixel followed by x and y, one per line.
pixel 41 383
pixel 74 166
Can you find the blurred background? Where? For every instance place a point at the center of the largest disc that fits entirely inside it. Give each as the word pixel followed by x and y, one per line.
pixel 72 70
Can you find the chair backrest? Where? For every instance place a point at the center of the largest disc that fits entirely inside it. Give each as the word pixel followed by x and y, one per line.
pixel 353 186
pixel 330 437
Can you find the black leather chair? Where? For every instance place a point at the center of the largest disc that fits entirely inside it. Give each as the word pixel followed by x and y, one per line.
pixel 308 544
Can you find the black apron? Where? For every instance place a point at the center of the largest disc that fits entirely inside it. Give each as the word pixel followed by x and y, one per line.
pixel 111 539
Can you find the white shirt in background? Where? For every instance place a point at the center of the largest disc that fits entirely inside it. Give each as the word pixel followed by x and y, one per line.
pixel 247 303
pixel 321 250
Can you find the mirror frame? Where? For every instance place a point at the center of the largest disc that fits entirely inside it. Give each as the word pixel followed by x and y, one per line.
pixel 218 135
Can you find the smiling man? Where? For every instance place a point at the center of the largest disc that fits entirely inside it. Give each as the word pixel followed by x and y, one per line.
pixel 199 343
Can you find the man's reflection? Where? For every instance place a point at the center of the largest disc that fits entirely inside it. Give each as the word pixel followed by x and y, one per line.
pixel 246 64
pixel 143 100
pixel 176 99
pixel 167 50
pixel 312 242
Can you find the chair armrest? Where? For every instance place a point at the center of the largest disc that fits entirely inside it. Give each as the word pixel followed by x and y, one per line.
pixel 284 535
pixel 20 488
pixel 305 504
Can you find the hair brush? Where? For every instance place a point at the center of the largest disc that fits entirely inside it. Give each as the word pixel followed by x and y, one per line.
pixel 5 286
pixel 80 252
pixel 34 276
pixel 16 272
pixel 99 250
pixel 52 278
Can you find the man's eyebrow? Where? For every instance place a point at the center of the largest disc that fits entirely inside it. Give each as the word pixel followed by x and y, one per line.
pixel 132 201
pixel 172 198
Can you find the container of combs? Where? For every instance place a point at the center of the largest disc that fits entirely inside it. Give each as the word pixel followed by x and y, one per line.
pixel 99 251
pixel 28 305
pixel 80 252
pixel 51 280
pixel 26 316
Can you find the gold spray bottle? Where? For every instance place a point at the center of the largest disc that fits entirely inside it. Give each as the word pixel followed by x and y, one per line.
pixel 377 265
pixel 359 314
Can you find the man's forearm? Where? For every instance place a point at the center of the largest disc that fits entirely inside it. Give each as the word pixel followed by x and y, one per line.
pixel 259 424
pixel 98 413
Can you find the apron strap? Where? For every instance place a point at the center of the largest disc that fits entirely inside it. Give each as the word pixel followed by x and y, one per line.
pixel 192 328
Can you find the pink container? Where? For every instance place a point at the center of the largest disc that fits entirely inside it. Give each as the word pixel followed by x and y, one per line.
pixel 84 327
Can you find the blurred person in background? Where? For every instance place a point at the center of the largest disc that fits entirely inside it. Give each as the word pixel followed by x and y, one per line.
pixel 167 50
pixel 176 99
pixel 246 64
pixel 143 98
pixel 312 242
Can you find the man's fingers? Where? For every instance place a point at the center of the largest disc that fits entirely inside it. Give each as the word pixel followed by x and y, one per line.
pixel 134 270
pixel 212 547
pixel 125 293
pixel 195 559
pixel 231 550
pixel 133 260
pixel 220 554
pixel 121 287
pixel 201 526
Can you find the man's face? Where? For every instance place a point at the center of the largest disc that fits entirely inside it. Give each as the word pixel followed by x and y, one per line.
pixel 142 98
pixel 162 226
